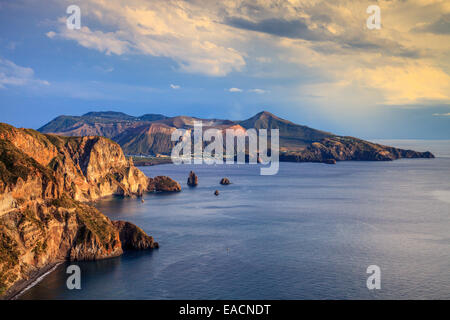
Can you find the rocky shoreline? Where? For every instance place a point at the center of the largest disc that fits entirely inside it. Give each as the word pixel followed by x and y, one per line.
pixel 46 185
pixel 18 289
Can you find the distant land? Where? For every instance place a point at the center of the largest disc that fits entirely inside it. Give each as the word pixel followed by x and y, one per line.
pixel 150 135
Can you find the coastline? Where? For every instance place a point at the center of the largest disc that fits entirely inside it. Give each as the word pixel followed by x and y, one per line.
pixel 21 287
pixel 149 161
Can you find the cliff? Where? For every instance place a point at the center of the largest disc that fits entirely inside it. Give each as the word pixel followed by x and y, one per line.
pixel 44 182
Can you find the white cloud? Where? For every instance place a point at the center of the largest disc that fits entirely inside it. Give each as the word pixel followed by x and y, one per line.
pixel 235 90
pixel 182 31
pixel 107 42
pixel 174 86
pixel 13 75
pixel 51 34
pixel 259 91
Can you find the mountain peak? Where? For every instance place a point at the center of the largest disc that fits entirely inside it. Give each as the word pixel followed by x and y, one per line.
pixel 265 113
pixel 265 116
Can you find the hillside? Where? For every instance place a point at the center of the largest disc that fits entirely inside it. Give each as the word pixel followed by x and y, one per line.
pixel 45 182
pixel 150 135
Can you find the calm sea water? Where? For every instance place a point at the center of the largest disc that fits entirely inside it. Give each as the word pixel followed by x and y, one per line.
pixel 309 232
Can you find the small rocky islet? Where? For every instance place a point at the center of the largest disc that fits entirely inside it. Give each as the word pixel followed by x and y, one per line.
pixel 192 180
pixel 225 181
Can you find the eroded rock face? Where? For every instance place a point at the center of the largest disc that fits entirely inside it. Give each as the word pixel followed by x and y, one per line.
pixel 133 237
pixel 44 180
pixel 41 233
pixel 192 179
pixel 164 184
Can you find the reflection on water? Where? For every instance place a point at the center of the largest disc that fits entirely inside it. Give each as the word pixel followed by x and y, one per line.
pixel 307 233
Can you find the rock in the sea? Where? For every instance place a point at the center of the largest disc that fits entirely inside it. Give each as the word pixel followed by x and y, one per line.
pixel 193 179
pixel 132 237
pixel 330 161
pixel 165 184
pixel 225 181
pixel 216 192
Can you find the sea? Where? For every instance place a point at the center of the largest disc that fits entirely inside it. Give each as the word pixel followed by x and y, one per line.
pixel 312 231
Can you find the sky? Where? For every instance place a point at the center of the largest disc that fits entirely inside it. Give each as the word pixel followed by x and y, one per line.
pixel 313 62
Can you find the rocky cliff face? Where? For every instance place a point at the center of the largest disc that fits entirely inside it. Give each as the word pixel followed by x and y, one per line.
pixel 133 237
pixel 44 180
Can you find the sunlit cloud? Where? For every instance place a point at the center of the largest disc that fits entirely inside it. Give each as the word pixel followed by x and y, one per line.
pixel 405 62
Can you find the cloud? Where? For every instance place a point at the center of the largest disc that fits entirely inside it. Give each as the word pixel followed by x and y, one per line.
pixel 408 84
pixel 107 42
pixel 295 29
pixel 13 75
pixel 440 26
pixel 235 90
pixel 51 34
pixel 318 45
pixel 174 86
pixel 259 91
pixel 441 114
pixel 178 30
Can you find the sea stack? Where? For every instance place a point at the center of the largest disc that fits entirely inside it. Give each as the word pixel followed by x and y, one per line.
pixel 225 181
pixel 192 179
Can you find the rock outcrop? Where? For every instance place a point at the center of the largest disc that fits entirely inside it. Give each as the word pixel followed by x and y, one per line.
pixel 164 184
pixel 225 181
pixel 44 182
pixel 133 237
pixel 192 179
